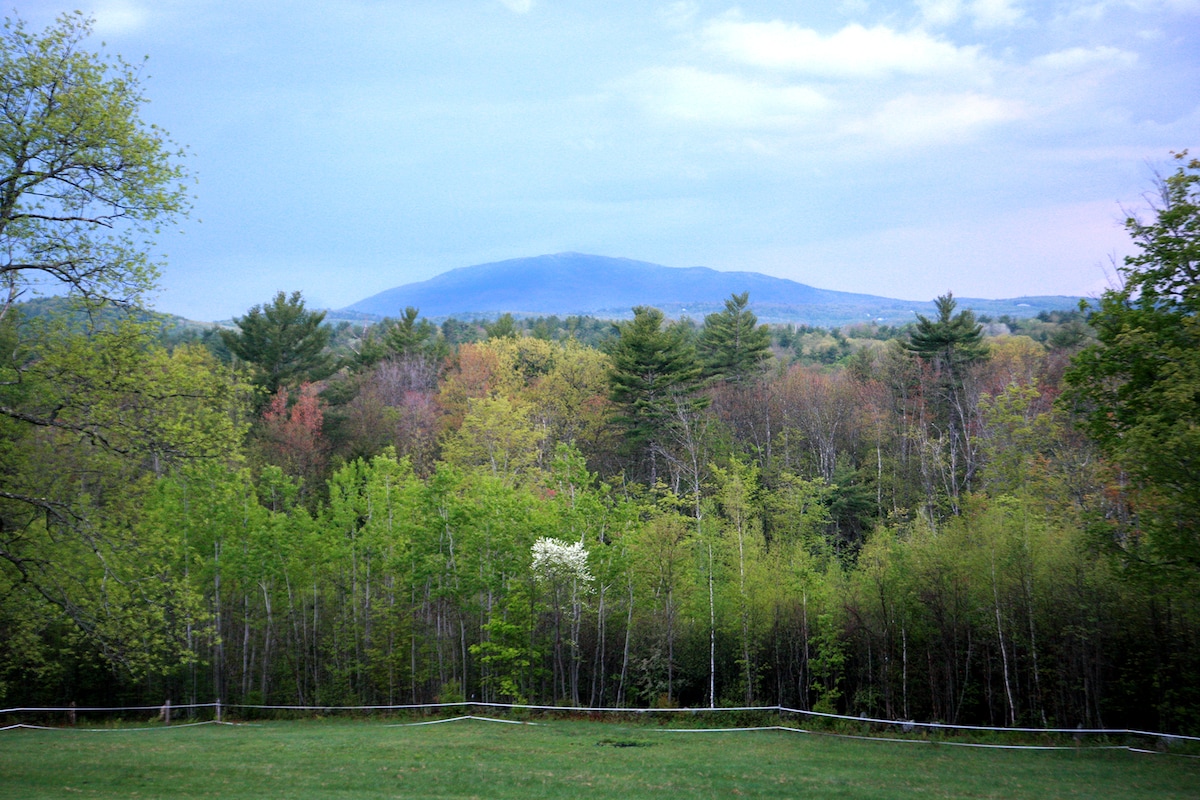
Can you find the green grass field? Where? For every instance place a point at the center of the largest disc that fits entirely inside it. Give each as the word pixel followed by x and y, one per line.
pixel 469 758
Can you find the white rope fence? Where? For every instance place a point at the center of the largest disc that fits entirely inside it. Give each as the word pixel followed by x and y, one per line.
pixel 100 709
pixel 128 729
pixel 907 726
pixel 459 719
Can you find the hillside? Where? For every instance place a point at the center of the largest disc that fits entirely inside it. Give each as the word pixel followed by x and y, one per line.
pixel 576 283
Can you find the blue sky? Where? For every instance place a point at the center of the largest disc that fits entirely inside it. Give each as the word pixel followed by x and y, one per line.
pixel 986 147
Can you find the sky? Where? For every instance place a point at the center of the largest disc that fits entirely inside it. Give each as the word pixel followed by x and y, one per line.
pixel 991 148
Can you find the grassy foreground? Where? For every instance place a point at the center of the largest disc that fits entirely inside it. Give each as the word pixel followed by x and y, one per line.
pixel 469 758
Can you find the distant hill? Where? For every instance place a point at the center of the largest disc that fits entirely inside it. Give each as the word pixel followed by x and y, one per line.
pixel 575 283
pixel 63 307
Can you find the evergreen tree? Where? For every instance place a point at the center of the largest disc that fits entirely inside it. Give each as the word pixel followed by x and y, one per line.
pixel 655 374
pixel 284 342
pixel 505 327
pixel 952 340
pixel 410 337
pixel 949 347
pixel 733 346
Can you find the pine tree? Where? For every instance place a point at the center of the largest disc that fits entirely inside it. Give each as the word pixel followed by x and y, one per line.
pixel 950 342
pixel 410 337
pixel 283 341
pixel 655 374
pixel 949 347
pixel 733 346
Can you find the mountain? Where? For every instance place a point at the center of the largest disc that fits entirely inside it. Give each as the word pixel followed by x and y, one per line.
pixel 575 283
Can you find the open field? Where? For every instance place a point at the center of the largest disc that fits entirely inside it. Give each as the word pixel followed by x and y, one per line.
pixel 472 758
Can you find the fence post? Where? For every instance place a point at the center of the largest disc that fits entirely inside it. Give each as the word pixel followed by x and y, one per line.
pixel 218 709
pixel 166 712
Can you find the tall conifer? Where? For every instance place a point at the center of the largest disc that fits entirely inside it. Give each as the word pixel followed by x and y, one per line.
pixel 655 371
pixel 733 345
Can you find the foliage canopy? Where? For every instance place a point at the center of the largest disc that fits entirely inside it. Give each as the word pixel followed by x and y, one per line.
pixel 84 182
pixel 284 341
pixel 1139 387
pixel 654 370
pixel 733 345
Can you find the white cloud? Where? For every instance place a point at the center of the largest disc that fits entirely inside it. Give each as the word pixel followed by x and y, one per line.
pixel 793 92
pixel 1093 11
pixel 995 13
pixel 686 93
pixel 852 52
pixel 934 119
pixel 679 14
pixel 940 12
pixel 116 17
pixel 984 13
pixel 1079 58
pixel 518 6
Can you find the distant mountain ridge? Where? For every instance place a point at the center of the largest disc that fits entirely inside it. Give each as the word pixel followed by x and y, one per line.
pixel 575 283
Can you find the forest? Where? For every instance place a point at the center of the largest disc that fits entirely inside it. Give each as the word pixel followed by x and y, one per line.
pixel 965 520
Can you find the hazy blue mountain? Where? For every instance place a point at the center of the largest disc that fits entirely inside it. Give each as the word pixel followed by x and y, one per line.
pixel 575 283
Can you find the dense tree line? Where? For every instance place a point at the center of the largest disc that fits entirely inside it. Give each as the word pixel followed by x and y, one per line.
pixel 920 532
pixel 954 522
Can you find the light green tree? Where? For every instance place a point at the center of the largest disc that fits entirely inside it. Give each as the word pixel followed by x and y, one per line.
pixel 85 184
pixel 739 502
pixel 102 416
pixel 496 434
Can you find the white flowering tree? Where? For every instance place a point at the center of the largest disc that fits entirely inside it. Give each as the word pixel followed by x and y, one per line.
pixel 563 568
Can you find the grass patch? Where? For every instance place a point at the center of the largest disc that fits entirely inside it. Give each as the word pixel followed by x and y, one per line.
pixel 623 743
pixel 473 758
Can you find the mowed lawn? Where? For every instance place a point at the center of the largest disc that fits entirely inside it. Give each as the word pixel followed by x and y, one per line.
pixel 471 758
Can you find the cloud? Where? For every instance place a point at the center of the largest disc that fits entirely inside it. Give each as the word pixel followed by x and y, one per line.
pixel 679 14
pixel 1093 10
pixel 940 12
pixel 518 6
pixel 934 119
pixel 858 87
pixel 996 13
pixel 1079 58
pixel 983 13
pixel 691 94
pixel 852 52
pixel 117 17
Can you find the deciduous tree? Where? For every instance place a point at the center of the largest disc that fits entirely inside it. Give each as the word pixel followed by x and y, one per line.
pixel 1138 388
pixel 84 182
